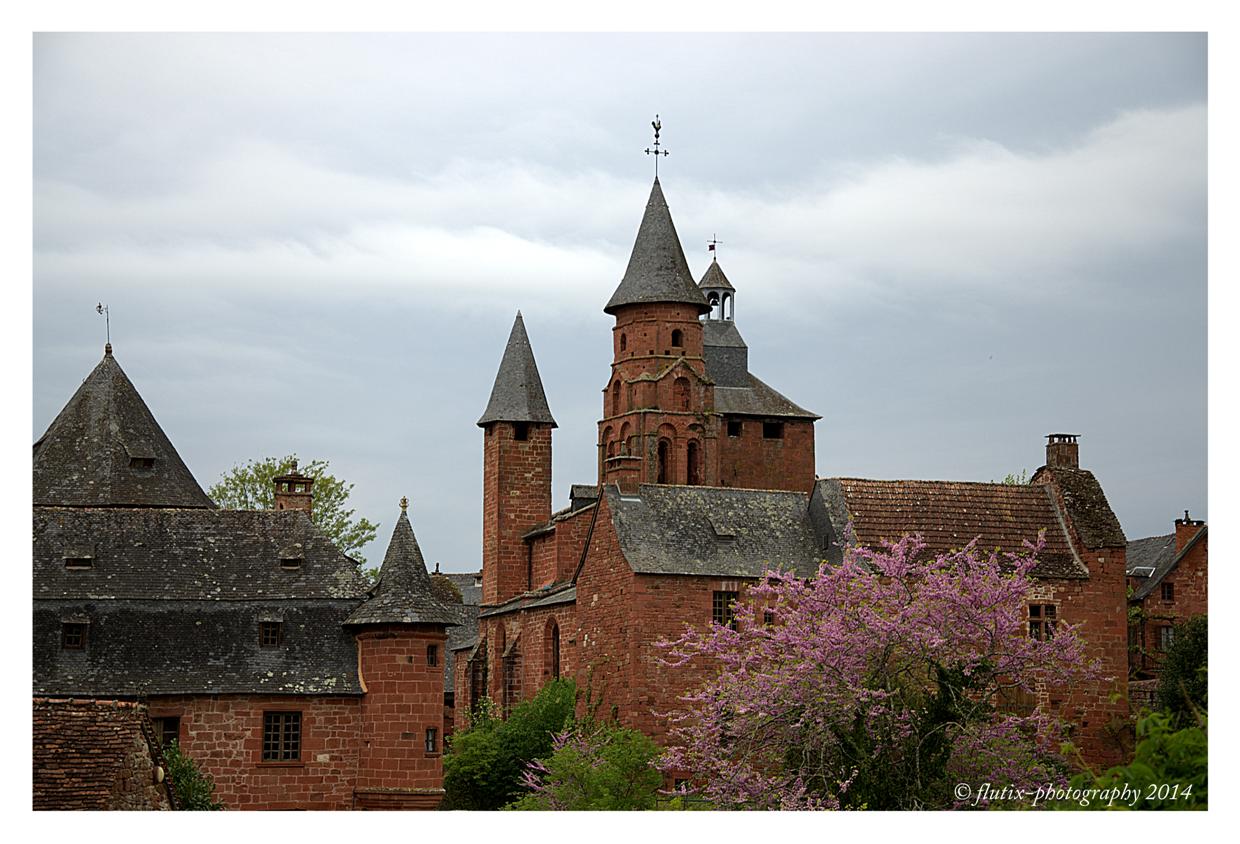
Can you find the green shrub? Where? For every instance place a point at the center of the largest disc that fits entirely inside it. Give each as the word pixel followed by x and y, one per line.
pixel 594 766
pixel 194 790
pixel 484 763
pixel 1182 681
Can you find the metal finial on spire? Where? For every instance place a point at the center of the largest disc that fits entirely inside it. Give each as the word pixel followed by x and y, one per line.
pixel 656 152
pixel 404 503
pixel 710 246
pixel 102 310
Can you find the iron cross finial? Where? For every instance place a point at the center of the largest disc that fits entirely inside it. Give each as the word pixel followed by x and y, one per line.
pixel 711 244
pixel 656 152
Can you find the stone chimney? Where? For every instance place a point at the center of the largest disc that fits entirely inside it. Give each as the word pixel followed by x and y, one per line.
pixel 1061 451
pixel 293 490
pixel 1185 530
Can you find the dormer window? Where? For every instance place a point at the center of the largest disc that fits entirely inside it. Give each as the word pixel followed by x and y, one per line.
pixel 270 634
pixel 73 635
pixel 79 559
pixel 142 464
pixel 291 563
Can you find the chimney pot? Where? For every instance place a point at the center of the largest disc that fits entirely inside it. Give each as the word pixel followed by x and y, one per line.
pixel 1062 451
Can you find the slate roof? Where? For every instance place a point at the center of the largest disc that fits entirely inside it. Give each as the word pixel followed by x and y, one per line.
pixel 80 749
pixel 145 647
pixel 403 593
pixel 105 449
pixel 714 531
pixel 949 515
pixel 463 635
pixel 517 395
pixel 1166 566
pixel 657 270
pixel 1092 517
pixel 209 555
pixel 467 584
pixel 1148 554
pixel 738 392
pixel 714 279
pixel 757 399
pixel 548 596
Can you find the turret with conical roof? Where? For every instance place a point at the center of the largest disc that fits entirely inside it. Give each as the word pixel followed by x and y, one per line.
pixel 657 270
pixel 516 474
pixel 719 292
pixel 105 449
pixel 517 395
pixel 403 594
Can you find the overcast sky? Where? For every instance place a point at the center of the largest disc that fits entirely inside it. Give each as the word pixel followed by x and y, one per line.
pixel 947 246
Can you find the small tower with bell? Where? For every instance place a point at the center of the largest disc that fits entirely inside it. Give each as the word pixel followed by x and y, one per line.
pixel 719 292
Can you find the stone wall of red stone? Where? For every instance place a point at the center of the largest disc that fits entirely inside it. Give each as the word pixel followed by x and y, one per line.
pixel 223 734
pixel 516 496
pixel 404 699
pixel 1190 597
pixel 752 461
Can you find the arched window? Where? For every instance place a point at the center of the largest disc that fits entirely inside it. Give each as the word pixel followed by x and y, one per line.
pixel 615 397
pixel 680 393
pixel 624 438
pixel 727 308
pixel 624 342
pixel 551 663
pixel 693 464
pixel 665 460
pixel 678 338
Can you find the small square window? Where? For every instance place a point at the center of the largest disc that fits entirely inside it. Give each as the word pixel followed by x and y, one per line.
pixel 281 736
pixel 432 740
pixel 1168 591
pixel 521 431
pixel 168 729
pixel 73 635
pixel 1042 618
pixel 290 563
pixel 768 617
pixel 723 608
pixel 432 654
pixel 735 427
pixel 1166 637
pixel 270 634
pixel 773 430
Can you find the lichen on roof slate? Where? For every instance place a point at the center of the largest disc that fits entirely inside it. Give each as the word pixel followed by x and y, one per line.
pixel 714 531
pixel 714 279
pixel 105 449
pixel 1092 517
pixel 657 269
pixel 403 594
pixel 517 395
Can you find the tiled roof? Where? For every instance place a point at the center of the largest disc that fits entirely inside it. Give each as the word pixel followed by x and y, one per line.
pixel 714 279
pixel 949 514
pixel 517 395
pixel 136 647
pixel 105 449
pixel 714 531
pixel 80 749
pixel 657 270
pixel 213 555
pixel 1146 555
pixel 403 594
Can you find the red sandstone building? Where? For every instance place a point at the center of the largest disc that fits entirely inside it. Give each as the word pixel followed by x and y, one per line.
pixel 1168 584
pixel 256 644
pixel 705 480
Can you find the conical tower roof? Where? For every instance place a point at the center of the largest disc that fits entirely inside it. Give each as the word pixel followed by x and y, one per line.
pixel 403 594
pixel 657 270
pixel 518 392
pixel 714 279
pixel 105 449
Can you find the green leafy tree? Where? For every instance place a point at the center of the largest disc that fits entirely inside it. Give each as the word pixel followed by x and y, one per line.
pixel 1016 478
pixel 1182 679
pixel 1168 771
pixel 594 766
pixel 194 790
pixel 250 487
pixel 484 763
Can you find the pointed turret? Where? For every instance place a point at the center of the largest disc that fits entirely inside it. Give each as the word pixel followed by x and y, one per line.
pixel 517 395
pixel 657 270
pixel 719 292
pixel 403 594
pixel 105 449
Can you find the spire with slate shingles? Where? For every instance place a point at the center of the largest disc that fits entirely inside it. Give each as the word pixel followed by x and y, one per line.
pixel 657 270
pixel 105 449
pixel 518 392
pixel 403 594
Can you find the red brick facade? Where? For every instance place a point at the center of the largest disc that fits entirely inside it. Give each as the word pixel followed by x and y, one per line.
pixel 516 496
pixel 1178 595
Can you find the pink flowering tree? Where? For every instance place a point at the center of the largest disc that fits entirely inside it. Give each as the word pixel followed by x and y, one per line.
pixel 880 683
